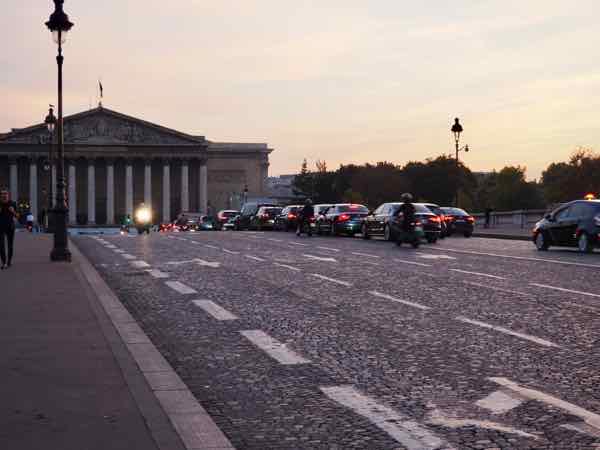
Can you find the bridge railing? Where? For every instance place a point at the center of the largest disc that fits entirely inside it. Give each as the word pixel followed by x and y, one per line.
pixel 524 218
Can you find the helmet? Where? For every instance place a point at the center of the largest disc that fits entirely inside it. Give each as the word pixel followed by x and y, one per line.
pixel 406 197
pixel 308 201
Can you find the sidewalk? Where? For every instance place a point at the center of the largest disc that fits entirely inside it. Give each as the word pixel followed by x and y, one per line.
pixel 67 381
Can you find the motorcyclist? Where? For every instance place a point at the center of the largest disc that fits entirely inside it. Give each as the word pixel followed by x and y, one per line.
pixel 306 213
pixel 126 223
pixel 407 210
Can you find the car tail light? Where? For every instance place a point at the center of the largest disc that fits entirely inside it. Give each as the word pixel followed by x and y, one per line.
pixel 597 220
pixel 291 216
pixel 343 217
pixel 449 218
pixel 471 219
pixel 265 216
pixel 434 219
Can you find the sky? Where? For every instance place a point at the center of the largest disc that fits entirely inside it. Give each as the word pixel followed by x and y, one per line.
pixel 349 81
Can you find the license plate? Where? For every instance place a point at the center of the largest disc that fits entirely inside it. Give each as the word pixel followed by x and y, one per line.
pixel 419 229
pixel 270 221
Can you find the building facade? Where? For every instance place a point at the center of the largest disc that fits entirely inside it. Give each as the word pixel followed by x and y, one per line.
pixel 114 162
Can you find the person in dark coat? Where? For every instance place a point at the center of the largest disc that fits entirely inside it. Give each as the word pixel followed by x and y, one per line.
pixel 8 216
pixel 307 212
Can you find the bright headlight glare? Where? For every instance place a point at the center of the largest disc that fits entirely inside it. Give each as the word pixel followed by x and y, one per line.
pixel 143 215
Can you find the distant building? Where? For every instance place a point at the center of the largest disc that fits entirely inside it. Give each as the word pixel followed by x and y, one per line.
pixel 280 189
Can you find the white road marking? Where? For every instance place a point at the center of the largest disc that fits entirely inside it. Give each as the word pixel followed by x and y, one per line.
pixel 140 264
pixel 230 252
pixel 158 274
pixel 299 244
pixel 273 347
pixel 397 300
pixel 333 280
pixel 527 337
pixel 494 288
pixel 426 256
pixel 365 255
pixel 195 242
pixel 119 251
pixel 201 262
pixel 111 246
pixel 437 418
pixel 500 402
pixel 211 246
pixel 588 417
pixel 320 258
pixel 372 263
pixel 215 310
pixel 274 240
pixel 545 286
pixel 255 258
pixel 127 256
pixel 287 267
pixel 406 431
pixel 478 274
pixel 403 261
pixel 180 287
pixel 523 258
pixel 328 248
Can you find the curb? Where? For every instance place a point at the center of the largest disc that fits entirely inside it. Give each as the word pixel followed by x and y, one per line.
pixel 512 237
pixel 174 417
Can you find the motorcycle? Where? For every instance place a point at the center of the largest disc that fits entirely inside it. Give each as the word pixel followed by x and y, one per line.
pixel 143 220
pixel 413 236
pixel 307 225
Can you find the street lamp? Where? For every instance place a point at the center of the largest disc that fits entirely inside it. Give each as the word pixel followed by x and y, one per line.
pixel 457 129
pixel 50 122
pixel 60 25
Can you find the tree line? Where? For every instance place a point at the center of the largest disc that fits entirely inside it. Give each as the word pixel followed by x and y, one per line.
pixel 438 179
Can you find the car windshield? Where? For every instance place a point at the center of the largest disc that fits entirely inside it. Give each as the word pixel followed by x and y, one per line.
pixel 352 209
pixel 455 212
pixel 271 211
pixel 229 213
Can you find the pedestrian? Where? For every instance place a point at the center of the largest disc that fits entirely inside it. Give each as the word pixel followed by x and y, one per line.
pixel 8 215
pixel 488 216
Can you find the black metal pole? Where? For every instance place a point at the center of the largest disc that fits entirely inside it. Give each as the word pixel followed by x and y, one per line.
pixel 60 252
pixel 457 173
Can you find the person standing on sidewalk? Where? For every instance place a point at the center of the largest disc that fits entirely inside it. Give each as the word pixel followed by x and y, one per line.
pixel 8 215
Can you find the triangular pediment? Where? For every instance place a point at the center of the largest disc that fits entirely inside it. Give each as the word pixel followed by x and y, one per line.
pixel 102 126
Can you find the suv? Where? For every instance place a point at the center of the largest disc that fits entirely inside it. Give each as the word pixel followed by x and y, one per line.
pixel 288 219
pixel 264 218
pixel 248 211
pixel 575 224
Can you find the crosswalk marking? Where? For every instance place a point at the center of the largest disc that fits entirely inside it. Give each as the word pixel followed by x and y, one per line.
pixel 180 287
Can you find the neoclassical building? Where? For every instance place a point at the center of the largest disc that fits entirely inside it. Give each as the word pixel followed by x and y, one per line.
pixel 113 162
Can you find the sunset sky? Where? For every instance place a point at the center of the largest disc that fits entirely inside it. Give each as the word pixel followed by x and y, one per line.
pixel 344 81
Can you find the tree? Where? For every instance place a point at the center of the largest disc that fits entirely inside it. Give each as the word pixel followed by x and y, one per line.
pixel 303 182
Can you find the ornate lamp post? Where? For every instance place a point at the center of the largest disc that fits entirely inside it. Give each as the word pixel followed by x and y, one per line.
pixel 457 129
pixel 60 25
pixel 50 122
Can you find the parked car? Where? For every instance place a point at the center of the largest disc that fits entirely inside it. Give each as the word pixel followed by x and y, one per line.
pixel 459 221
pixel 206 223
pixel 384 222
pixel 288 219
pixel 223 217
pixel 264 219
pixel 344 218
pixel 248 211
pixel 575 224
pixel 230 224
pixel 438 211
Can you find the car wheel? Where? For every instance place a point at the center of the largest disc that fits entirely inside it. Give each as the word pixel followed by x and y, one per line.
pixel 584 244
pixel 415 244
pixel 541 243
pixel 432 239
pixel 364 231
pixel 468 234
pixel 387 233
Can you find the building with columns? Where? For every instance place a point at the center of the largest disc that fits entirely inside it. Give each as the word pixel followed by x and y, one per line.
pixel 114 162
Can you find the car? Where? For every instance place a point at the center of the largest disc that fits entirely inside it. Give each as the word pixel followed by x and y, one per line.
pixel 574 224
pixel 264 219
pixel 459 221
pixel 344 218
pixel 437 210
pixel 248 211
pixel 384 222
pixel 223 217
pixel 288 219
pixel 230 224
pixel 205 223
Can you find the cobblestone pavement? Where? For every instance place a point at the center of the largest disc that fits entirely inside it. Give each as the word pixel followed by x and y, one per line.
pixel 341 343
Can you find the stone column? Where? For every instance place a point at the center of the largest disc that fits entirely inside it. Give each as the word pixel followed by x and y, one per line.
pixel 33 189
pixel 203 186
pixel 72 197
pixel 14 180
pixel 91 192
pixel 166 192
pixel 129 188
pixel 148 183
pixel 53 185
pixel 110 192
pixel 185 185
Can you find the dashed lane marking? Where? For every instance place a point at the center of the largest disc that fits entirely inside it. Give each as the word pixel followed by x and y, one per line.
pixel 413 263
pixel 333 280
pixel 275 349
pixel 274 240
pixel 500 402
pixel 140 264
pixel 427 256
pixel 180 287
pixel 494 288
pixel 231 252
pixel 127 256
pixel 588 417
pixel 212 246
pixel 299 244
pixel 215 310
pixel 366 255
pixel 406 431
pixel 255 258
pixel 527 337
pixel 118 250
pixel 479 274
pixel 328 248
pixel 545 286
pixel 158 274
pixel 287 267
pixel 398 300
pixel 320 258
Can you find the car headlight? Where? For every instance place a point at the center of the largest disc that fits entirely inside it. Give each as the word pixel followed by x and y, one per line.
pixel 143 215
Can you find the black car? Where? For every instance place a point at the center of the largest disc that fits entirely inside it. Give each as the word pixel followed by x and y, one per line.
pixel 248 211
pixel 288 219
pixel 575 224
pixel 459 221
pixel 223 217
pixel 341 218
pixel 442 215
pixel 264 219
pixel 383 222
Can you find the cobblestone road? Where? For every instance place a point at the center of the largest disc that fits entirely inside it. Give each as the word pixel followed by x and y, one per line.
pixel 341 343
